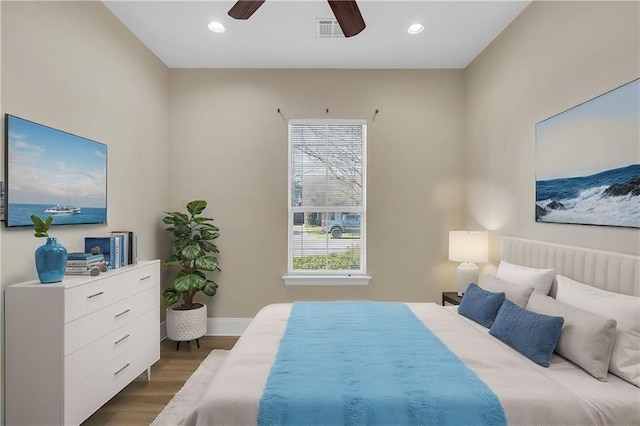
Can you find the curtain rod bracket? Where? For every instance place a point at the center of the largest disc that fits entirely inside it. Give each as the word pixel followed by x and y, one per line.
pixel 375 113
pixel 281 115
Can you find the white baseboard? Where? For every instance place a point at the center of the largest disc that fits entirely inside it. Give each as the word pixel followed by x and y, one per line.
pixel 217 327
pixel 227 326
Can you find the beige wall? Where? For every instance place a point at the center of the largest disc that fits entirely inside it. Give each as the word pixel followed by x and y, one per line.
pixel 73 66
pixel 554 56
pixel 229 146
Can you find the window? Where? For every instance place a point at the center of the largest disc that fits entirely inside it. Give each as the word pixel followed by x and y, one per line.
pixel 327 202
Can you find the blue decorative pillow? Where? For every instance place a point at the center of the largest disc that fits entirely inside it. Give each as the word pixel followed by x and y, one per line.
pixel 480 305
pixel 533 335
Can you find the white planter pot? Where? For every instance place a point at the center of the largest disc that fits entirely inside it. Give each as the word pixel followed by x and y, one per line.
pixel 186 325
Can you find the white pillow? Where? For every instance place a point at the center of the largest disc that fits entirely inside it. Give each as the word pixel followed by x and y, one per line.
pixel 625 358
pixel 539 279
pixel 517 293
pixel 586 338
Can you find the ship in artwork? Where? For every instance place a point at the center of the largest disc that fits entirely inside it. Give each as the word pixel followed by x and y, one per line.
pixel 62 209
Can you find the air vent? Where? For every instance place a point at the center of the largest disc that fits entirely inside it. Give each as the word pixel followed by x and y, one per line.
pixel 328 28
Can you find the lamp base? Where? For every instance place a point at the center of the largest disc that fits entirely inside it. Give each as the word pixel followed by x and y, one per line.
pixel 466 273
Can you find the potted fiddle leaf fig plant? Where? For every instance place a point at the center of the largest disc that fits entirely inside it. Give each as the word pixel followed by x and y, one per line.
pixel 51 258
pixel 194 252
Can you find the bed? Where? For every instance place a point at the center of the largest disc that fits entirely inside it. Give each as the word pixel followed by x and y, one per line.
pixel 525 393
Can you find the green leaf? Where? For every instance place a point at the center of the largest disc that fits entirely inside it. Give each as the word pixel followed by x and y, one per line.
pixel 210 288
pixel 209 226
pixel 182 230
pixel 191 252
pixel 186 282
pixel 182 282
pixel 206 235
pixel 37 221
pixel 175 217
pixel 170 296
pixel 208 263
pixel 203 231
pixel 201 285
pixel 40 228
pixel 209 247
pixel 200 220
pixel 196 207
pixel 200 274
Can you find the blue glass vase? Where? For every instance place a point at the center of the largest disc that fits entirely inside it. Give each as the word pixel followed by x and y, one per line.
pixel 51 261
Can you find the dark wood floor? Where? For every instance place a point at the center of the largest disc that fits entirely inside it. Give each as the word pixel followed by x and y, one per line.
pixel 141 401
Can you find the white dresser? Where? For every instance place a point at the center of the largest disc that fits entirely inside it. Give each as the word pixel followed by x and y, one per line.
pixel 71 346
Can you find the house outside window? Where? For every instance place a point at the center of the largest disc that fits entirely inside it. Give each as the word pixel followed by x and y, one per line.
pixel 327 202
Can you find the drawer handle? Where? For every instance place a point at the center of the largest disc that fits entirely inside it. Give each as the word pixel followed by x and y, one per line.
pixel 95 295
pixel 145 278
pixel 122 369
pixel 121 339
pixel 123 312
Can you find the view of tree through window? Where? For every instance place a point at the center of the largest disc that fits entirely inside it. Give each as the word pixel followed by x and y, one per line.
pixel 327 199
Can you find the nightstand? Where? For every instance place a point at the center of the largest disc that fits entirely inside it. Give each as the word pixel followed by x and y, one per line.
pixel 451 297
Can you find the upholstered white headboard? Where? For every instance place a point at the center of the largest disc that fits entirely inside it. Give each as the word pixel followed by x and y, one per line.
pixel 616 272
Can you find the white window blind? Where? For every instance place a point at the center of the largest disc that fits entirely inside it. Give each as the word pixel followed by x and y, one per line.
pixel 327 197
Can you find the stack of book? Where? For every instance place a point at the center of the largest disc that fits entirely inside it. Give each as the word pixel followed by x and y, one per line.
pixel 128 253
pixel 82 263
pixel 119 248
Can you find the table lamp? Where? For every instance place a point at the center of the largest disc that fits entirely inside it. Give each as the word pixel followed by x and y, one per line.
pixel 468 247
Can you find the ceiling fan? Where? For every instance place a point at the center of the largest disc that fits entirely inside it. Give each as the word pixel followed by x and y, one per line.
pixel 346 12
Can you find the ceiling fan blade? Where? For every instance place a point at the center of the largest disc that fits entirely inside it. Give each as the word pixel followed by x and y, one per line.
pixel 243 9
pixel 348 15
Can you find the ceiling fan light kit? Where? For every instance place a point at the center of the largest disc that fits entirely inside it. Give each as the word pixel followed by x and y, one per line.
pixel 415 29
pixel 346 12
pixel 216 27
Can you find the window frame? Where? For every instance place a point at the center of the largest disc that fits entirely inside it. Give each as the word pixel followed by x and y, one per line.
pixel 327 277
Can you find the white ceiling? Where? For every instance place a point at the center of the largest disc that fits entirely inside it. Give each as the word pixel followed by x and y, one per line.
pixel 282 34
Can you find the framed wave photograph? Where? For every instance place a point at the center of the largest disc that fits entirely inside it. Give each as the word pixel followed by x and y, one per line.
pixel 588 162
pixel 50 172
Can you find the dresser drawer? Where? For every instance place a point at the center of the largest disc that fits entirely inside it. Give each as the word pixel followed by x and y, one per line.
pixel 82 399
pixel 141 278
pixel 88 329
pixel 82 363
pixel 87 298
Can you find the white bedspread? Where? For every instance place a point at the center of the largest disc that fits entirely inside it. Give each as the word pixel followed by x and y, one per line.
pixel 562 394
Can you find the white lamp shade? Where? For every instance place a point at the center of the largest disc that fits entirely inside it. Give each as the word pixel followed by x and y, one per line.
pixel 469 246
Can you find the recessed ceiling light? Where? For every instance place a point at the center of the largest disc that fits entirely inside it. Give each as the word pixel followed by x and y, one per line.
pixel 216 27
pixel 415 29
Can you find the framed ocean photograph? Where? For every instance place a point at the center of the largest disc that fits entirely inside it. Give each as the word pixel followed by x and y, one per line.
pixel 588 162
pixel 50 172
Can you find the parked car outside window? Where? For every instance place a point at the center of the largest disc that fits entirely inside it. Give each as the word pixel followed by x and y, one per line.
pixel 337 227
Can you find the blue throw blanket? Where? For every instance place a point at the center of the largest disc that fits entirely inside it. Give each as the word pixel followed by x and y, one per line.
pixel 374 363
